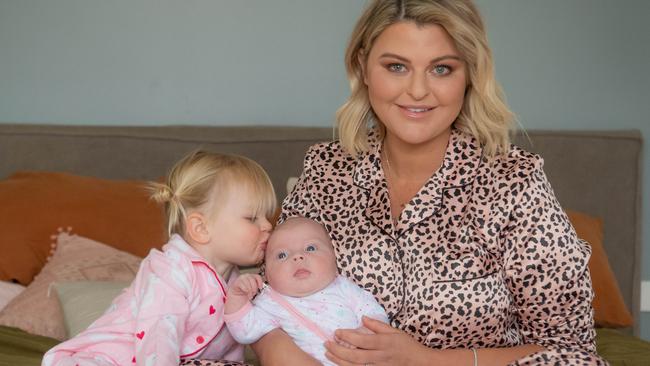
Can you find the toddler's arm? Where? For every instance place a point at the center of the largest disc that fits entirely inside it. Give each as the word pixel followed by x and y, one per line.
pixel 161 309
pixel 242 291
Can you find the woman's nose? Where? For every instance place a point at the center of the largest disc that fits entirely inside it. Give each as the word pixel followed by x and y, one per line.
pixel 418 87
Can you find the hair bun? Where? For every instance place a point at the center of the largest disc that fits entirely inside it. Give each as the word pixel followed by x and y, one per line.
pixel 161 193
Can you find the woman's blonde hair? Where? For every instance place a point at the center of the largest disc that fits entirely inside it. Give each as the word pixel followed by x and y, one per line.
pixel 202 177
pixel 484 113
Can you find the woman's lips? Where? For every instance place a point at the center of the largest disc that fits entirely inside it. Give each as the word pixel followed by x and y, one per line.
pixel 301 273
pixel 415 111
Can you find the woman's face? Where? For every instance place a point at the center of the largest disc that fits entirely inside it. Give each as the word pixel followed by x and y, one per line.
pixel 416 82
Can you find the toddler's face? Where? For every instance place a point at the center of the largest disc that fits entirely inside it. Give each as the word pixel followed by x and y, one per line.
pixel 238 234
pixel 299 258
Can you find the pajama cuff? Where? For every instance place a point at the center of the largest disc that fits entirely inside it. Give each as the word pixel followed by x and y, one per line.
pixel 233 317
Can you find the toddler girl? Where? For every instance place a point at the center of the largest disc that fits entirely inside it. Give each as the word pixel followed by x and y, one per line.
pixel 217 208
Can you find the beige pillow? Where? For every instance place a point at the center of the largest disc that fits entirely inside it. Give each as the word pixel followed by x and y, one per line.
pixel 76 258
pixel 83 302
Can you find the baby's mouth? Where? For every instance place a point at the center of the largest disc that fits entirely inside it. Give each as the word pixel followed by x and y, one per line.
pixel 301 273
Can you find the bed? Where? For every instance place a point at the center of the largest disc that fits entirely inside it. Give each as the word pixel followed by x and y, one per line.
pixel 597 175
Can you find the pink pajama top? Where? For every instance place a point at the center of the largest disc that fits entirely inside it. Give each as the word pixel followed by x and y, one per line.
pixel 482 256
pixel 173 310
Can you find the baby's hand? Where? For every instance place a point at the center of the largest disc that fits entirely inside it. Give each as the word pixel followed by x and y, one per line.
pixel 246 285
pixel 242 291
pixel 361 329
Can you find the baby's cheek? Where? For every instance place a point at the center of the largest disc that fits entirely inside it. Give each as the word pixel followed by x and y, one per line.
pixel 276 276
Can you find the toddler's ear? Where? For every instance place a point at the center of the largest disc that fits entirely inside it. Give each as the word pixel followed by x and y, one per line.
pixel 196 228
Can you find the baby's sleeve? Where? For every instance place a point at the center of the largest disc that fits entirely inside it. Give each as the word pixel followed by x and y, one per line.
pixel 362 301
pixel 250 323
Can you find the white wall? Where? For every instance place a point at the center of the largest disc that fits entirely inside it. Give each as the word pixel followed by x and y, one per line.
pixel 173 62
pixel 579 64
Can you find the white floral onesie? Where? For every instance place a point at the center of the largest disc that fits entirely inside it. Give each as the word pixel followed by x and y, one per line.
pixel 340 305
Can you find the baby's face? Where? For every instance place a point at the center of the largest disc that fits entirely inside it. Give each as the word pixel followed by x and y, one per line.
pixel 300 258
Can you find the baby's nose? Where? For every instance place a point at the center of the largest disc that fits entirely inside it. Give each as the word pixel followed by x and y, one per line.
pixel 298 257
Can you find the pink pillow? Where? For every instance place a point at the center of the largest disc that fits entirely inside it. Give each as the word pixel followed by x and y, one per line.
pixel 8 291
pixel 36 310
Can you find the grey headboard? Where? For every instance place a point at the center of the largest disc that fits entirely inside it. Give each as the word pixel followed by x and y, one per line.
pixel 594 172
pixel 599 173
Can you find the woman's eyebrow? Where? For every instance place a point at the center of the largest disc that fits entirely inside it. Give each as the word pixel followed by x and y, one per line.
pixel 435 60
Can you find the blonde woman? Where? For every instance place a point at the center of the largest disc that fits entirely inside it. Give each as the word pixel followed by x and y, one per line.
pixel 455 232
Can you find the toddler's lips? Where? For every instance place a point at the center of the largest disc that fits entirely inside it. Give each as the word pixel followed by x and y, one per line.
pixel 301 273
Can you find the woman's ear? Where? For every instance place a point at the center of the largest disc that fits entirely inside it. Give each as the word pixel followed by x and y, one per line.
pixel 196 228
pixel 361 59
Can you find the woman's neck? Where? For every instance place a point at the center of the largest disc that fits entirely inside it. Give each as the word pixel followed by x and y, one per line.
pixel 408 162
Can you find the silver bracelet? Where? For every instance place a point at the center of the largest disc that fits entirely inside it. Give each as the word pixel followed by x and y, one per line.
pixel 475 356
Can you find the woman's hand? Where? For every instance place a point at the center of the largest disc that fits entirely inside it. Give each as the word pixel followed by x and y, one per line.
pixel 390 346
pixel 387 346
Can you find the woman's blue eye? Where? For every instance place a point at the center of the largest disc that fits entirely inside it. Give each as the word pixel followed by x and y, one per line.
pixel 396 67
pixel 310 248
pixel 441 70
pixel 282 256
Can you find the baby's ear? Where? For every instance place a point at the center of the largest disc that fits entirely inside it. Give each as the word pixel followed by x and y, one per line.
pixel 196 228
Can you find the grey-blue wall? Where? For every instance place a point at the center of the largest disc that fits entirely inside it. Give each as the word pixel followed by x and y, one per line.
pixel 579 64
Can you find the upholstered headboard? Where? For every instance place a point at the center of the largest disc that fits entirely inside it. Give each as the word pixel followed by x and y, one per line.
pixel 600 173
pixel 595 172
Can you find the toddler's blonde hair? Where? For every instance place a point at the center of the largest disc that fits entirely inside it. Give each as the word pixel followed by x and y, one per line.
pixel 200 176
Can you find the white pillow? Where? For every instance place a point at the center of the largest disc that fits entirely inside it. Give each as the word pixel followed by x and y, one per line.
pixel 9 290
pixel 291 182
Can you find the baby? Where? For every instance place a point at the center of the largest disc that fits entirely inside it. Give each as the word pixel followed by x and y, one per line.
pixel 306 297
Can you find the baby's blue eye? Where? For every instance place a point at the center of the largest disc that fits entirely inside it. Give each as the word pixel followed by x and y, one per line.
pixel 282 256
pixel 310 248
